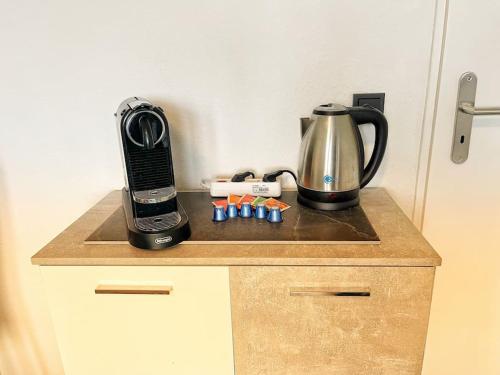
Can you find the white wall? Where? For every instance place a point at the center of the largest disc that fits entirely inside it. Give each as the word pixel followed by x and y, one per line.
pixel 234 77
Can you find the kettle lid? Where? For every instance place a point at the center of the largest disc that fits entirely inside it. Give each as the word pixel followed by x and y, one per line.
pixel 330 109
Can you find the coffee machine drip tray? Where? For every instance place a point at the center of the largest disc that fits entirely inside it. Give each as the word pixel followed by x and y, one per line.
pixel 158 223
pixel 154 195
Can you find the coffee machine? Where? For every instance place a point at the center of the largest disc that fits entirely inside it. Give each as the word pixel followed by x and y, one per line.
pixel 155 219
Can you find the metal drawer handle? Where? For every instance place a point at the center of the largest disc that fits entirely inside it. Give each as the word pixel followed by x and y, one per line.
pixel 133 289
pixel 464 114
pixel 329 292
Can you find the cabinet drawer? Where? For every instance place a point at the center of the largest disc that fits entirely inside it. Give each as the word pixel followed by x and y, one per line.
pixel 141 320
pixel 330 320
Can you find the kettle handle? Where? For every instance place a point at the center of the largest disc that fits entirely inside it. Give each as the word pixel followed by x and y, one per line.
pixel 365 115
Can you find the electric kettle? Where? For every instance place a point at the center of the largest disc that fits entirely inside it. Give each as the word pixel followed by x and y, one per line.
pixel 331 159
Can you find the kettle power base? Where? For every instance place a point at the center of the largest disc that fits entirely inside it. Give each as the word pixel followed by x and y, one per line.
pixel 301 225
pixel 327 206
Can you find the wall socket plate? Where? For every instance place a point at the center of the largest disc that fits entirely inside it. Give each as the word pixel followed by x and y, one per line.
pixel 375 100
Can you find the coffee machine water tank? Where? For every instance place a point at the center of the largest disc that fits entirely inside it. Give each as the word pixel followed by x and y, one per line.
pixel 155 219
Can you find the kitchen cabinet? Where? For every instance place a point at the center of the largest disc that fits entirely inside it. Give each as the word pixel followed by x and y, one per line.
pixel 141 320
pixel 330 320
pixel 242 308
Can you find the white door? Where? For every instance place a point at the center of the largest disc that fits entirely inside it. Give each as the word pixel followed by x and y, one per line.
pixel 462 207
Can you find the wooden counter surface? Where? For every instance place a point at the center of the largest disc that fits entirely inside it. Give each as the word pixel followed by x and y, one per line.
pixel 401 244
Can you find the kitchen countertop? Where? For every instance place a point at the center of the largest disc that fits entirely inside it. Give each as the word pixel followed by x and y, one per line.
pixel 401 244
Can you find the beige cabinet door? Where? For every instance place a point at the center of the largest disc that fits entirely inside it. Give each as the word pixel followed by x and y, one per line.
pixel 321 320
pixel 176 321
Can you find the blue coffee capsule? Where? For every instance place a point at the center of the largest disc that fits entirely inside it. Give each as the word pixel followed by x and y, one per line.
pixel 232 210
pixel 260 211
pixel 246 209
pixel 274 215
pixel 219 214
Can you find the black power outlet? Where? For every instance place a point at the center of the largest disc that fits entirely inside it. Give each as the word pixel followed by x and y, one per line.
pixel 375 100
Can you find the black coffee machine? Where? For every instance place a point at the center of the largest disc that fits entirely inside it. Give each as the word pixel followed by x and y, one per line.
pixel 155 219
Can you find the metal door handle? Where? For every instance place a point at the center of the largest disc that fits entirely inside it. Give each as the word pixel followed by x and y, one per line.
pixel 479 111
pixel 464 114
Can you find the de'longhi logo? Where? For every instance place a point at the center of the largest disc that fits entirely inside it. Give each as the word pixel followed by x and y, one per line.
pixel 163 240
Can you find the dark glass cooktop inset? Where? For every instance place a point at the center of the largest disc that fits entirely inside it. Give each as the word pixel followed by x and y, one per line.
pixel 300 225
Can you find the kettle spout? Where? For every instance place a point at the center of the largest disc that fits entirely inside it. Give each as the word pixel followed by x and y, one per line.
pixel 305 122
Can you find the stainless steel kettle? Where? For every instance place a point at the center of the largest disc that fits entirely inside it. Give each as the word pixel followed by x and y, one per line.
pixel 331 159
